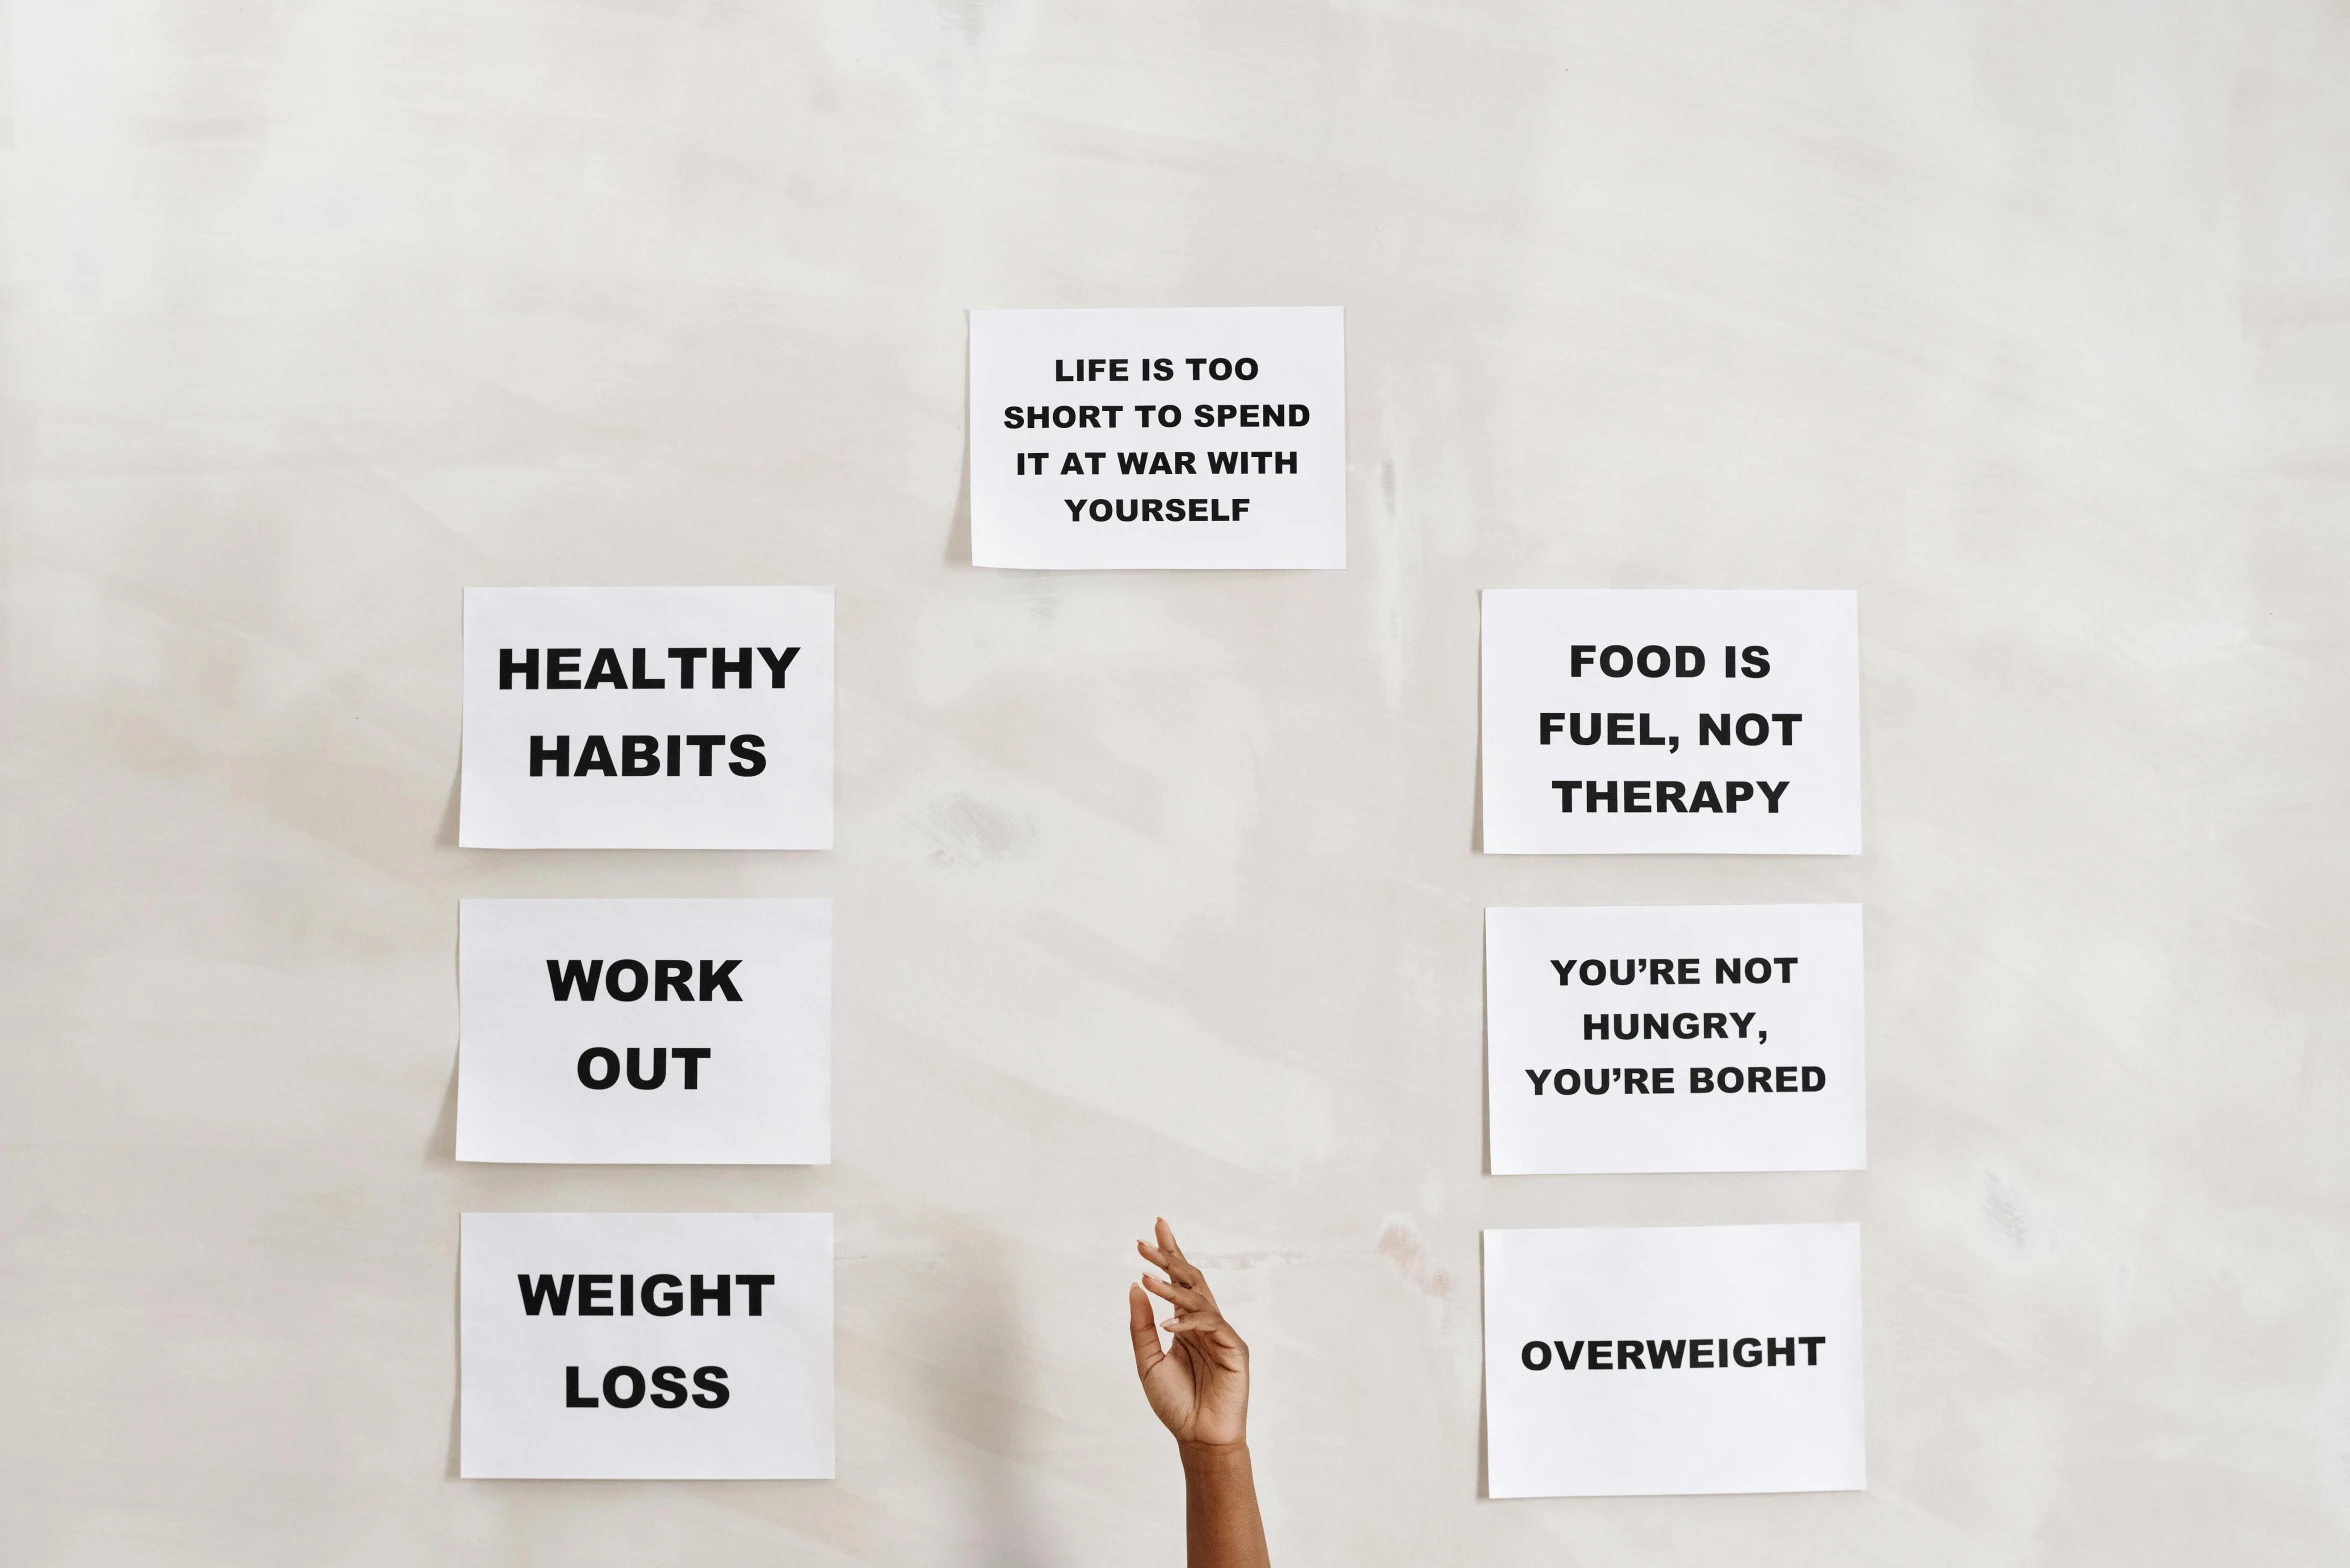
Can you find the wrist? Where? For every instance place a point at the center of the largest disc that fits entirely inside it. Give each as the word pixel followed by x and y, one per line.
pixel 1198 1454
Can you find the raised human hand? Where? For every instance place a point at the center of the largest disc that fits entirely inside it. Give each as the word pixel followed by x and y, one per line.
pixel 1198 1385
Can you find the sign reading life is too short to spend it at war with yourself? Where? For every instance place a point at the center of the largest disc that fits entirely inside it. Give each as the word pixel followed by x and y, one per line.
pixel 1707 1038
pixel 1158 438
pixel 646 1346
pixel 648 718
pixel 645 1030
pixel 1715 1358
pixel 1670 721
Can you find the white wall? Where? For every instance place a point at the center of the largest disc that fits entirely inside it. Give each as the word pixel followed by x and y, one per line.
pixel 1155 893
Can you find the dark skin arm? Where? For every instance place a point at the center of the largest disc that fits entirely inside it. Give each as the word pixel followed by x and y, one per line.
pixel 1198 1387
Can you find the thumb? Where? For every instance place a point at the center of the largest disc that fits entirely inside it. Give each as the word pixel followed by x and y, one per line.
pixel 1145 1331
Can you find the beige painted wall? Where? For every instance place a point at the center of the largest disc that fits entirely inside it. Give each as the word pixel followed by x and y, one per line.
pixel 2032 323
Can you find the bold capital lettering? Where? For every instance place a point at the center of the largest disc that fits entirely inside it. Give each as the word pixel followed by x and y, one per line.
pixel 570 978
pixel 545 1292
pixel 776 665
pixel 605 671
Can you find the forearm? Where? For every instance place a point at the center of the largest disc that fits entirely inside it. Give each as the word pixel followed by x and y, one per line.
pixel 1220 1519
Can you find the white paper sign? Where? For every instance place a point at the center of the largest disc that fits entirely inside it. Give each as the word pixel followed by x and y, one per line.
pixel 1708 1038
pixel 1709 1359
pixel 654 1346
pixel 1137 438
pixel 648 718
pixel 645 1030
pixel 1671 722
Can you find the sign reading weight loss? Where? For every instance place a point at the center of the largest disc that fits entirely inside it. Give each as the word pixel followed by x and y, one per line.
pixel 648 718
pixel 647 1346
pixel 645 1030
pixel 1712 1038
pixel 1671 722
pixel 1145 438
pixel 1706 1359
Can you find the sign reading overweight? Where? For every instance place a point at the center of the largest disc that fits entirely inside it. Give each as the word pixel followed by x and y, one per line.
pixel 1158 438
pixel 1713 1038
pixel 646 1346
pixel 645 1030
pixel 1671 722
pixel 1707 1359
pixel 648 718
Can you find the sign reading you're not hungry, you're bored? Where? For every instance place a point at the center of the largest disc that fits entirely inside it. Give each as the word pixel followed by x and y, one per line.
pixel 1671 721
pixel 1158 438
pixel 1707 1038
pixel 1712 1358
pixel 648 718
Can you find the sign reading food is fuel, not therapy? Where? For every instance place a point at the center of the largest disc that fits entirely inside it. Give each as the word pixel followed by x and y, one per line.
pixel 648 718
pixel 1669 721
pixel 1158 438
pixel 1707 1038
pixel 1716 1358
pixel 645 1030
pixel 646 1346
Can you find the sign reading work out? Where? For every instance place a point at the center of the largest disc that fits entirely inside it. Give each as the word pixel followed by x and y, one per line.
pixel 645 1030
pixel 652 1346
pixel 1709 1038
pixel 1143 438
pixel 1671 722
pixel 648 718
pixel 1721 1358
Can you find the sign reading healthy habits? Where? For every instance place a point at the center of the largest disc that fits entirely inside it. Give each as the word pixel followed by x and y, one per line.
pixel 1708 1359
pixel 645 1030
pixel 648 718
pixel 1133 438
pixel 1715 1038
pixel 648 1346
pixel 1671 722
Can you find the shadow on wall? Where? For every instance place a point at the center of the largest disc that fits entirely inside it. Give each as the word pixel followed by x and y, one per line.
pixel 959 532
